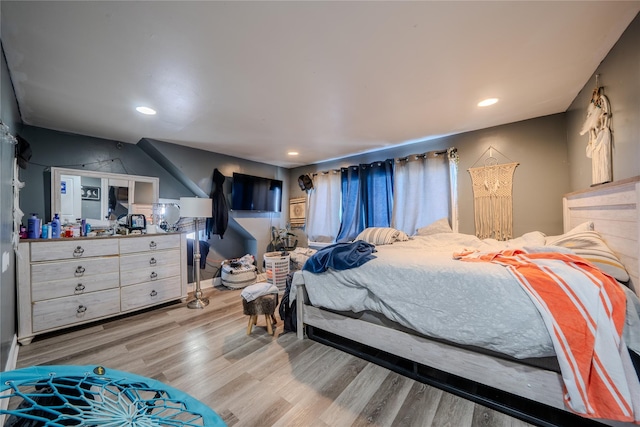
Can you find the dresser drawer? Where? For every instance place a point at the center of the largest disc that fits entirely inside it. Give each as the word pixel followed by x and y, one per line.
pixel 77 286
pixel 149 293
pixel 76 269
pixel 155 242
pixel 66 311
pixel 149 259
pixel 149 274
pixel 73 249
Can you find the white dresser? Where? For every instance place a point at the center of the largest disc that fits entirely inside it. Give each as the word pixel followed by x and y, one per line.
pixel 67 282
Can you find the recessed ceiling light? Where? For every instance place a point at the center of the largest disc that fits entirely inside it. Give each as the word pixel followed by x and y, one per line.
pixel 487 102
pixel 146 110
pixel 293 153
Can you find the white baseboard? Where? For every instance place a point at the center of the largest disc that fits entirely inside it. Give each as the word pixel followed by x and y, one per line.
pixel 12 358
pixel 204 284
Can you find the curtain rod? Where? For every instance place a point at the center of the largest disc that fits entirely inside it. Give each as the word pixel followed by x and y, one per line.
pixel 429 154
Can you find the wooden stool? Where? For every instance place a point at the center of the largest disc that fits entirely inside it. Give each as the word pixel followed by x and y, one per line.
pixel 264 305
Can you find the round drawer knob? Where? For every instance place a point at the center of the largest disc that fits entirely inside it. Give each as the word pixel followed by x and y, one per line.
pixel 81 309
pixel 78 252
pixel 80 270
pixel 79 288
pixel 153 261
pixel 152 245
pixel 153 293
pixel 153 275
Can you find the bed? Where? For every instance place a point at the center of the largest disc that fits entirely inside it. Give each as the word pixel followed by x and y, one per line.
pixel 516 374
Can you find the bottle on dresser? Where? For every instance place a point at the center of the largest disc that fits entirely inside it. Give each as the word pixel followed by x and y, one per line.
pixel 55 227
pixel 45 231
pixel 33 227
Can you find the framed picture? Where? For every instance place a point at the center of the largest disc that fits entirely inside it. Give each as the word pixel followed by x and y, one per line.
pixel 297 211
pixel 90 193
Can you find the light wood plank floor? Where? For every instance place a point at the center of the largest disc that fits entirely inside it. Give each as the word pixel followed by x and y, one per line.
pixel 257 379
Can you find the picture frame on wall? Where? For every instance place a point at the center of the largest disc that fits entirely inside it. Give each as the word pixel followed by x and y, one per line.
pixel 90 193
pixel 297 212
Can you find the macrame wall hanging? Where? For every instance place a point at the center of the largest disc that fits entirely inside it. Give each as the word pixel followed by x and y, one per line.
pixel 597 125
pixel 493 197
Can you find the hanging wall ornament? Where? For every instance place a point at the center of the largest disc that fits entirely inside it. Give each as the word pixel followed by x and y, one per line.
pixel 493 199
pixel 297 212
pixel 305 182
pixel 598 126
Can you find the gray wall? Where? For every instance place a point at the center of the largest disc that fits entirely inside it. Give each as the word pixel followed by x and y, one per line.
pixel 248 232
pixel 183 171
pixel 620 77
pixel 61 149
pixel 539 182
pixel 10 116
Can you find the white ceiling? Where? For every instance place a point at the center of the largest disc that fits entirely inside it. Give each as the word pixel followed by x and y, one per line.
pixel 328 79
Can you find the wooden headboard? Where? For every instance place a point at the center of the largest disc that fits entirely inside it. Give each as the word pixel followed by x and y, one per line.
pixel 614 210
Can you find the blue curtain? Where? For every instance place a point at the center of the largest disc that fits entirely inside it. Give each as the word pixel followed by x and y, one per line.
pixel 352 212
pixel 377 193
pixel 367 198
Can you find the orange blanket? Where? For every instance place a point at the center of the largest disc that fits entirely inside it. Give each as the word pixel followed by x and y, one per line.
pixel 584 310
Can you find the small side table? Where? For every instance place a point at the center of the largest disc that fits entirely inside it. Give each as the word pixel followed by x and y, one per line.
pixel 264 305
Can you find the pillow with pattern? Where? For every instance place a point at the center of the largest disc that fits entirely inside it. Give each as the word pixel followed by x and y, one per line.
pixel 382 235
pixel 590 246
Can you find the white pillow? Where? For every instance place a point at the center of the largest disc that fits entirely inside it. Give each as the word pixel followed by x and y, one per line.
pixel 585 226
pixel 382 235
pixel 439 226
pixel 533 238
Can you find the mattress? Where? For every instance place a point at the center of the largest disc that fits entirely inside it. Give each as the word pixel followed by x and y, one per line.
pixel 418 285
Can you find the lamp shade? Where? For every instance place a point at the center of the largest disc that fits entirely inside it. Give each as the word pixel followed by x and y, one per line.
pixel 195 207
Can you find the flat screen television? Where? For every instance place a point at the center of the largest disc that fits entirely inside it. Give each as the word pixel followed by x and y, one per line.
pixel 253 193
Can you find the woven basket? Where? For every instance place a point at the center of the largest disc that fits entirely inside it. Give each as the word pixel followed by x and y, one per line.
pixel 238 277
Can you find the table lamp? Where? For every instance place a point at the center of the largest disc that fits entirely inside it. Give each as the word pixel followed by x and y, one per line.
pixel 196 208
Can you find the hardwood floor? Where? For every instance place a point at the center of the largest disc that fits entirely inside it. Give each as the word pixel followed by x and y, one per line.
pixel 257 379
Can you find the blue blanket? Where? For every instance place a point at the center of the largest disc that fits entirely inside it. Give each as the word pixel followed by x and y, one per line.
pixel 340 256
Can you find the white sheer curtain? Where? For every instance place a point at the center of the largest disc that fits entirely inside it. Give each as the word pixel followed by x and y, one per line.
pixel 425 190
pixel 323 220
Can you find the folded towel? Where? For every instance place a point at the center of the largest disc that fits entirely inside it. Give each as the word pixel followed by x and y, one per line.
pixel 252 292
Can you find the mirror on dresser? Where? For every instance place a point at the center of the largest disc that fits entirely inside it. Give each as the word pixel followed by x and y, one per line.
pixel 100 196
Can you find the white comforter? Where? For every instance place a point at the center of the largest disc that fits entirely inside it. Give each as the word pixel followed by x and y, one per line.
pixel 419 285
